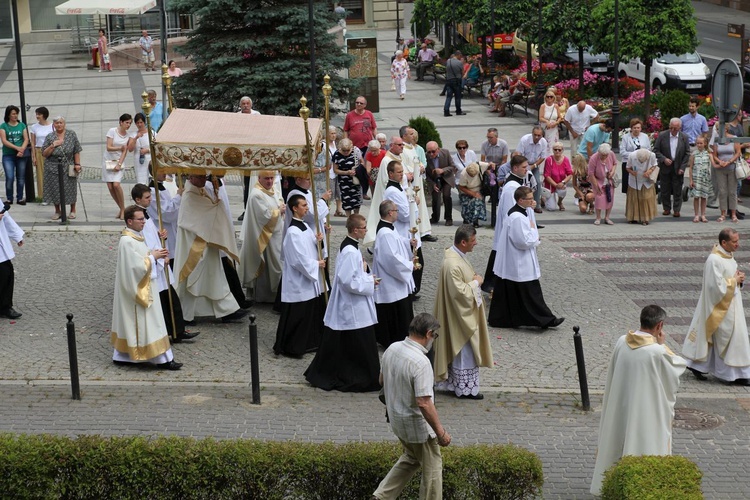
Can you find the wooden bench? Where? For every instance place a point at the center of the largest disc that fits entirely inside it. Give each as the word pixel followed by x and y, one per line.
pixel 478 86
pixel 436 70
pixel 522 100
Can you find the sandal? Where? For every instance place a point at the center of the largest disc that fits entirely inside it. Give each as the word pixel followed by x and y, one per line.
pixel 56 216
pixel 644 223
pixel 597 222
pixel 72 215
pixel 561 207
pixel 696 218
pixel 339 214
pixel 609 222
pixel 704 219
pixel 735 219
pixel 721 219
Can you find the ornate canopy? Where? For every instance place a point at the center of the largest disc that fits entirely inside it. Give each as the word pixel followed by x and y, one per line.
pixel 195 140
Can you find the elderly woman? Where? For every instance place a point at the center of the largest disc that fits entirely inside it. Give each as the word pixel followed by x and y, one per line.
pixel 581 185
pixel 557 173
pixel 473 208
pixel 373 159
pixel 602 167
pixel 383 140
pixel 400 72
pixel 632 142
pixel 723 159
pixel 640 205
pixel 463 156
pixel 345 163
pixel 549 118
pixel 119 142
pixel 61 149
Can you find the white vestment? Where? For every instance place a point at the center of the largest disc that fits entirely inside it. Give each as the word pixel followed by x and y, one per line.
pixel 153 242
pixel 717 341
pixel 516 258
pixel 260 262
pixel 138 331
pixel 9 230
pixel 351 305
pixel 638 404
pixel 302 276
pixel 309 218
pixel 392 263
pixel 204 231
pixel 413 165
pixel 407 212
pixel 170 210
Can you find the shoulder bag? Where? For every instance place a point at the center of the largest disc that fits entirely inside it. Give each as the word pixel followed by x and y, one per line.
pixel 741 170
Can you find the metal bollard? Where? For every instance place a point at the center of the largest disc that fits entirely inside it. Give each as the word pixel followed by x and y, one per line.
pixel 73 356
pixel 61 173
pixel 581 369
pixel 254 366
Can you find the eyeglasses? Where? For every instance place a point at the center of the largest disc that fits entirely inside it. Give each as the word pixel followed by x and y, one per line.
pixel 432 151
pixel 461 147
pixel 398 143
pixel 556 149
pixel 434 334
pixel 359 102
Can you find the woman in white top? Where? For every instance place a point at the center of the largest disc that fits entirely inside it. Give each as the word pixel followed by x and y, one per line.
pixel 38 132
pixel 119 142
pixel 463 157
pixel 142 156
pixel 173 70
pixel 549 119
pixel 632 142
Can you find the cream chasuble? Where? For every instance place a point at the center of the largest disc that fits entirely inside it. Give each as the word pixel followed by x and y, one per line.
pixel 462 320
pixel 638 404
pixel 138 328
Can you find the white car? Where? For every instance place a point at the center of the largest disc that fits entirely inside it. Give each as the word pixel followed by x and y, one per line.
pixel 685 72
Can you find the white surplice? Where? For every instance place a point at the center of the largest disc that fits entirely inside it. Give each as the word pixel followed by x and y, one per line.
pixel 392 263
pixel 309 218
pixel 302 277
pixel 138 331
pixel 717 341
pixel 638 404
pixel 351 305
pixel 516 258
pixel 260 261
pixel 170 210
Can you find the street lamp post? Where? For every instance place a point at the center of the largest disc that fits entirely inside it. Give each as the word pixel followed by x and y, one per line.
pixel 398 25
pixel 539 82
pixel 313 85
pixel 616 97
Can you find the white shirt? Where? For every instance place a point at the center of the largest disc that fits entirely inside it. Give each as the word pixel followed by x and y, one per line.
pixel 673 145
pixel 301 274
pixel 516 259
pixel 351 305
pixel 471 157
pixel 403 223
pixel 9 230
pixel 580 120
pixel 532 152
pixel 40 133
pixel 392 263
pixel 407 375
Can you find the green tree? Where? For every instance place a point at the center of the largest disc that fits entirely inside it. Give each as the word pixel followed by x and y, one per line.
pixel 259 49
pixel 648 29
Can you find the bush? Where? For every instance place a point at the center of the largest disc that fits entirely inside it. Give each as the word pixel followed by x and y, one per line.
pixel 673 104
pixel 93 467
pixel 426 130
pixel 653 478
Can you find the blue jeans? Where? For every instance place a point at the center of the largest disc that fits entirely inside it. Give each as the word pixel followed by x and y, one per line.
pixel 15 168
pixel 454 90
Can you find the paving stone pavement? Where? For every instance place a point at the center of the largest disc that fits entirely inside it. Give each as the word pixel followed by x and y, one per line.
pixel 597 277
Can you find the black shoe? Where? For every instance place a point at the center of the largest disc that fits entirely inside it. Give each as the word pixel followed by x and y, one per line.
pixel 449 222
pixel 10 313
pixel 447 114
pixel 247 304
pixel 539 226
pixel 461 113
pixel 241 217
pixel 740 215
pixel 429 237
pixel 698 375
pixel 476 224
pixel 415 297
pixel 185 336
pixel 192 322
pixel 238 314
pixel 555 322
pixel 441 94
pixel 478 397
pixel 22 202
pixel 433 221
pixel 742 381
pixel 120 363
pixel 172 365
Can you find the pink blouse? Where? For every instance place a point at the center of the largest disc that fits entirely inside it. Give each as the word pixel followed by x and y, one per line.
pixel 599 168
pixel 557 171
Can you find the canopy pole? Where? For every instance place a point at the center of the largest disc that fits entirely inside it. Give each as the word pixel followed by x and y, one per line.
pixel 304 113
pixel 327 96
pixel 146 107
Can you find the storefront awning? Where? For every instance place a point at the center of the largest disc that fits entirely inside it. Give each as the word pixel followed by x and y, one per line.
pixel 108 7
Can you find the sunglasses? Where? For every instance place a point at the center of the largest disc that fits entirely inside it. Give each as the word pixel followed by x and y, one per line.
pixel 461 147
pixel 360 103
pixel 556 149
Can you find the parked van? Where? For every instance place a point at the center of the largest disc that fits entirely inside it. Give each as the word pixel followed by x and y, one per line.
pixel 669 71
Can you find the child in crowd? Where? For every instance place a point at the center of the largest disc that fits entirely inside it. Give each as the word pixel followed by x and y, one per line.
pixel 699 170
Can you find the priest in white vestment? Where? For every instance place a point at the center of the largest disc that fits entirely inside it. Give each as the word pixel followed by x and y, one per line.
pixel 414 169
pixel 517 299
pixel 717 342
pixel 170 210
pixel 204 230
pixel 263 228
pixel 393 264
pixel 464 343
pixel 302 302
pixel 138 331
pixel 347 359
pixel 638 405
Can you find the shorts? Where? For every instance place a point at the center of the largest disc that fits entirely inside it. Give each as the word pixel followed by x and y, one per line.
pixel 148 57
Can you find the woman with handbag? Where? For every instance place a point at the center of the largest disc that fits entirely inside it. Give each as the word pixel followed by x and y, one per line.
pixel 61 149
pixel 723 159
pixel 345 164
pixel 119 142
pixel 640 204
pixel 601 171
pixel 104 62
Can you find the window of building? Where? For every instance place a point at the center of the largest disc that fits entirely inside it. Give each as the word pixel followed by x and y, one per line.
pixel 43 16
pixel 355 10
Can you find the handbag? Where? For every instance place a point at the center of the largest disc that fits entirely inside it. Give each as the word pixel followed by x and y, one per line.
pixel 741 170
pixel 654 174
pixel 72 171
pixel 110 164
pixel 105 58
pixel 486 188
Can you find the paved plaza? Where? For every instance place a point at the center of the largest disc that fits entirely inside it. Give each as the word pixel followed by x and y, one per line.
pixel 597 277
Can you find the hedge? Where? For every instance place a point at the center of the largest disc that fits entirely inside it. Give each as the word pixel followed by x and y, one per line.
pixel 653 478
pixel 93 467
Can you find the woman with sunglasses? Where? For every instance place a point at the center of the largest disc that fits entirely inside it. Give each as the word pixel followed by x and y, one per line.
pixel 549 118
pixel 557 174
pixel 463 157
